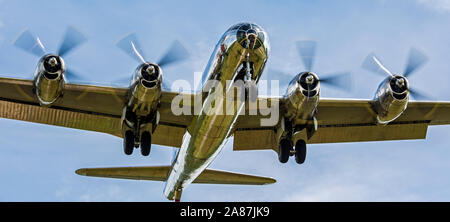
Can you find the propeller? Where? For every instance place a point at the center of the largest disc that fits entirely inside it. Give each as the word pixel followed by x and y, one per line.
pixel 415 60
pixel 33 45
pixel 307 52
pixel 131 46
pixel 276 74
pixel 29 43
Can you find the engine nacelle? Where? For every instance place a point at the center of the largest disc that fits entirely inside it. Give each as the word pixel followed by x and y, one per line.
pixel 391 99
pixel 49 79
pixel 302 96
pixel 141 114
pixel 146 89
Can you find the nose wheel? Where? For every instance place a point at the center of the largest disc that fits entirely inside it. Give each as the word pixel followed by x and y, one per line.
pixel 286 150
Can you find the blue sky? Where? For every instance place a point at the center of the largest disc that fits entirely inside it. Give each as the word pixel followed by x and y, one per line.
pixel 37 162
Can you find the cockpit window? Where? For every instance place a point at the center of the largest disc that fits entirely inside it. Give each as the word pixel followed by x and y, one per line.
pixel 235 27
pixel 250 35
pixel 245 27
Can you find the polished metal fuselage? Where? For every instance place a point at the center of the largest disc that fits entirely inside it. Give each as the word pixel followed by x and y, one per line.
pixel 207 134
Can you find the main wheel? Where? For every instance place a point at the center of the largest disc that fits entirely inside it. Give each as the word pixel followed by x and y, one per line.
pixel 300 151
pixel 284 150
pixel 128 142
pixel 146 143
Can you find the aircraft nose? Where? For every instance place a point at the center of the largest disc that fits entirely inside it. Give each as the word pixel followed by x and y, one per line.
pixel 251 36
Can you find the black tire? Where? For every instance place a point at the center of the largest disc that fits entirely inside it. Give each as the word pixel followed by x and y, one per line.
pixel 284 150
pixel 146 143
pixel 300 152
pixel 128 142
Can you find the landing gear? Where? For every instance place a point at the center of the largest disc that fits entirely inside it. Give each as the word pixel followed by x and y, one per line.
pixel 286 150
pixel 138 130
pixel 300 151
pixel 251 92
pixel 251 89
pixel 146 143
pixel 128 142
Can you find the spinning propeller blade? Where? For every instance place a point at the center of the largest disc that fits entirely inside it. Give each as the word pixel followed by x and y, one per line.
pixel 415 61
pixel 418 95
pixel 282 77
pixel 72 39
pixel 307 52
pixel 373 64
pixel 130 45
pixel 338 80
pixel 30 43
pixel 176 53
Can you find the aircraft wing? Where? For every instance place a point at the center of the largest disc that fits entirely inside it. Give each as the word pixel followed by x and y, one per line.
pixel 341 120
pixel 86 107
pixel 99 109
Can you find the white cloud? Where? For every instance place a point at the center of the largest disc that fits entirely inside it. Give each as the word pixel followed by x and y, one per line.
pixel 439 5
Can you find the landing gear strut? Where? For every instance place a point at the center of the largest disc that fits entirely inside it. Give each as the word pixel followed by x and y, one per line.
pixel 251 91
pixel 286 150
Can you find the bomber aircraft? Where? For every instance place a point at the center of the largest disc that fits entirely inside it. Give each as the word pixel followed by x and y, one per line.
pixel 227 105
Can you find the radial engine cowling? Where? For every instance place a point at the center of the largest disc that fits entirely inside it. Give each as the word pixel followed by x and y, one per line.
pixel 391 99
pixel 146 89
pixel 303 95
pixel 49 79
